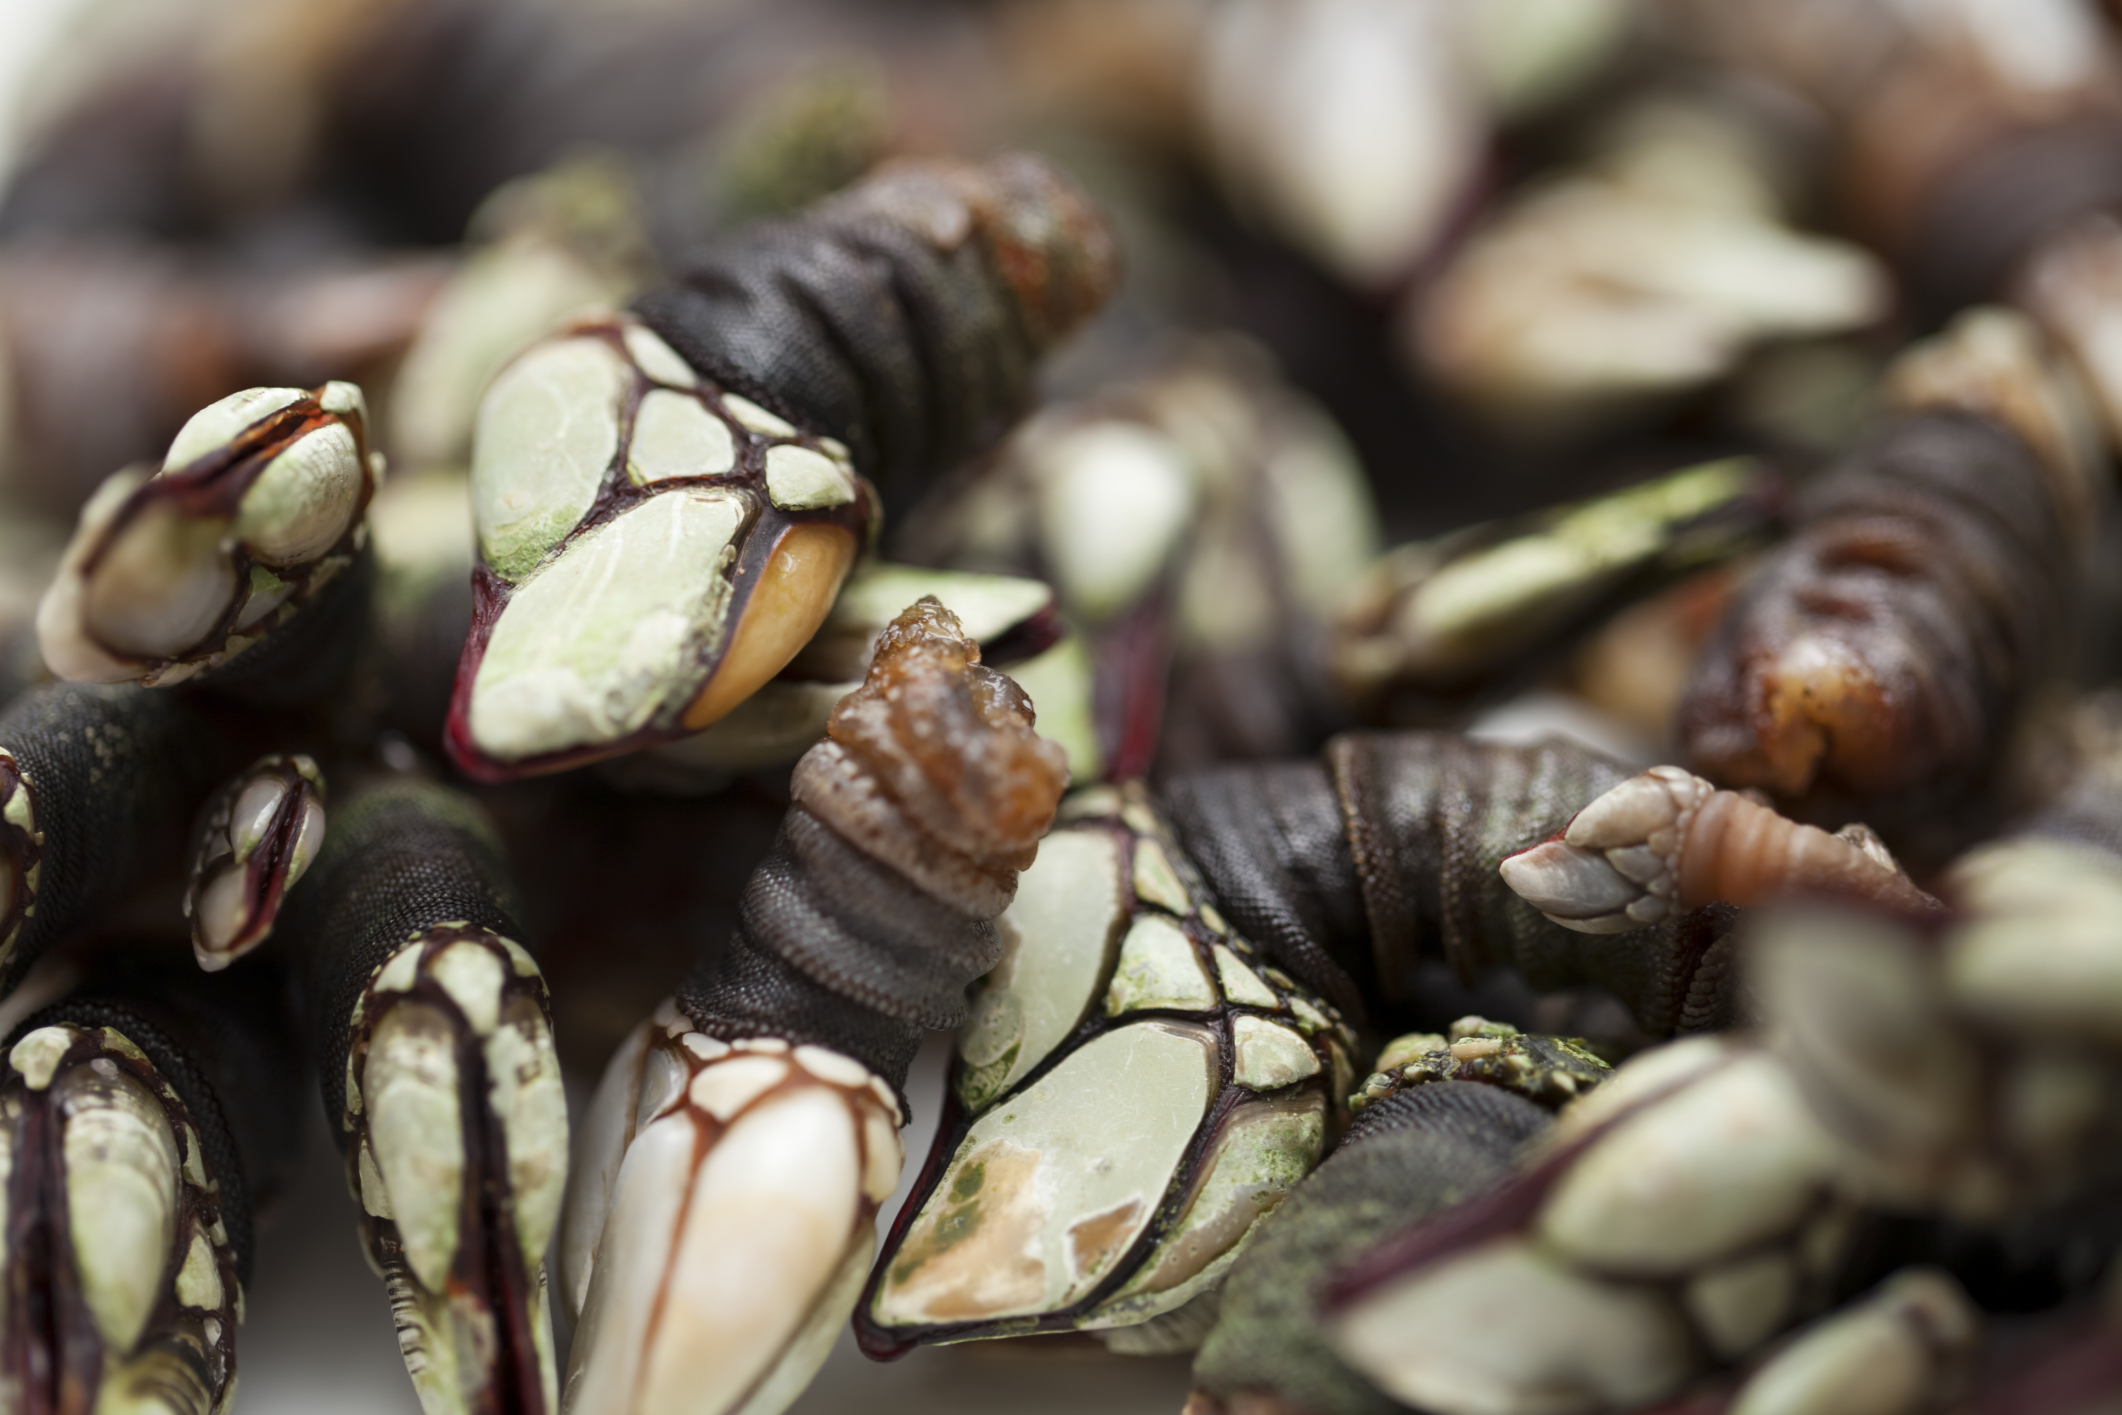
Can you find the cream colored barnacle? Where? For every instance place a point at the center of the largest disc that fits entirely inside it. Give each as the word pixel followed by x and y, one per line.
pixel 454 1093
pixel 175 571
pixel 146 1260
pixel 259 834
pixel 722 1219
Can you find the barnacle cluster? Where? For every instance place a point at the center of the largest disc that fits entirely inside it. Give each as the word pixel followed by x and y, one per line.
pixel 1451 662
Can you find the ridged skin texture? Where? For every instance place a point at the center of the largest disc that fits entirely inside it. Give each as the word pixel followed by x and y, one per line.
pixel 115 774
pixel 1352 871
pixel 1887 646
pixel 837 944
pixel 904 316
pixel 1405 1157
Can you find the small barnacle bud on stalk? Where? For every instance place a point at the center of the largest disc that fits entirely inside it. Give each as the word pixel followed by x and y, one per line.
pixel 257 835
pixel 1550 1071
pixel 254 518
pixel 1885 650
pixel 140 1120
pixel 1667 841
pixel 724 1205
pixel 1676 1218
pixel 433 1042
pixel 1123 1005
pixel 668 502
pixel 96 784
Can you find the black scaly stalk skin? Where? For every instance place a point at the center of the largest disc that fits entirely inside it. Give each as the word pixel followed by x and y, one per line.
pixel 1417 1152
pixel 398 860
pixel 904 317
pixel 1351 870
pixel 833 948
pixel 107 779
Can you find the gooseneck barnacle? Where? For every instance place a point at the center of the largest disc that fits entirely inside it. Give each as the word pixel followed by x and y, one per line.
pixel 724 1211
pixel 667 503
pixel 432 1040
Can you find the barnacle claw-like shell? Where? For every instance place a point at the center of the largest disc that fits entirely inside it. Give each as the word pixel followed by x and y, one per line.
pixel 121 1282
pixel 727 1212
pixel 255 838
pixel 1123 1006
pixel 1687 1208
pixel 254 513
pixel 667 506
pixel 456 1130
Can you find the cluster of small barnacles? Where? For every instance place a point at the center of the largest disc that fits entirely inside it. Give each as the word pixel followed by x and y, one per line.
pixel 601 553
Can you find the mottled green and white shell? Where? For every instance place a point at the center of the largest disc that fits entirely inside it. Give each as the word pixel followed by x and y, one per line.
pixel 652 549
pixel 146 1277
pixel 1135 1089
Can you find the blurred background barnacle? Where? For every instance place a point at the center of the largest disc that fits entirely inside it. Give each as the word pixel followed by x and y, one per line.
pixel 1235 681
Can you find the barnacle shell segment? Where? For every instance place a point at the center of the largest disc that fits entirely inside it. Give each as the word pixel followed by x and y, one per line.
pixel 648 558
pixel 456 1147
pixel 256 510
pixel 254 839
pixel 1688 1206
pixel 121 1280
pixel 727 1207
pixel 1015 621
pixel 1132 1095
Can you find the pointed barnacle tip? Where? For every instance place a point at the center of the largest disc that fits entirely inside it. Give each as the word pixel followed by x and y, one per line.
pixel 1575 887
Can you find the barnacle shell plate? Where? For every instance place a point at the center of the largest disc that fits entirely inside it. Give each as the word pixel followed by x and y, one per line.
pixel 584 653
pixel 1049 1190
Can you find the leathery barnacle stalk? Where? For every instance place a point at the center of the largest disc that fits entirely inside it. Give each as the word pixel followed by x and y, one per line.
pixel 724 1205
pixel 668 502
pixel 140 1120
pixel 1886 648
pixel 441 1087
pixel 1438 1123
pixel 1667 842
pixel 1124 1006
pixel 94 782
pixel 1357 871
pixel 257 835
pixel 254 517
